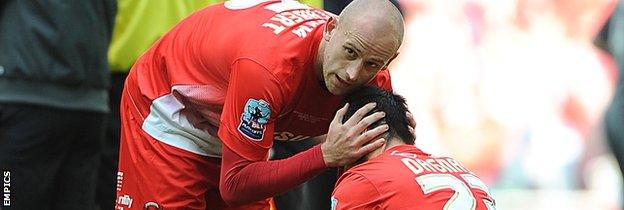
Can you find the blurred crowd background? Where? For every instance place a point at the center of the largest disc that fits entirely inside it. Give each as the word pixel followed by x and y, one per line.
pixel 517 90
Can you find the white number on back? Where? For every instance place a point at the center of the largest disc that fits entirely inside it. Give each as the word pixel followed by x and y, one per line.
pixel 463 198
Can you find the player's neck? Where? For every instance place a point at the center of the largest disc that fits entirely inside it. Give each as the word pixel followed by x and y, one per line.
pixel 393 142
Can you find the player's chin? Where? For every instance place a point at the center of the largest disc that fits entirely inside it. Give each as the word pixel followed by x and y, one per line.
pixel 333 89
pixel 339 91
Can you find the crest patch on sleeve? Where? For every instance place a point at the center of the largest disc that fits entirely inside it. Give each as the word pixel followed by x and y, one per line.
pixel 255 116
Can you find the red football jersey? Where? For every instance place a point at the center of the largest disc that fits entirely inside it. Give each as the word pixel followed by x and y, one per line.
pixel 241 73
pixel 405 177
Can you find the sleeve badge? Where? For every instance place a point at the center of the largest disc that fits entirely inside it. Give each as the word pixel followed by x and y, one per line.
pixel 255 116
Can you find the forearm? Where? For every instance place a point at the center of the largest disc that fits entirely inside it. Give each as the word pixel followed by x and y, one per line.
pixel 243 181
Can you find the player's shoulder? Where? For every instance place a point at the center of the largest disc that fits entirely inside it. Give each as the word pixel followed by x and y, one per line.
pixel 384 176
pixel 377 168
pixel 286 33
pixel 361 179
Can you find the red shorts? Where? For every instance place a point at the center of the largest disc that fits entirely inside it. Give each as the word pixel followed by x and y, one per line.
pixel 155 175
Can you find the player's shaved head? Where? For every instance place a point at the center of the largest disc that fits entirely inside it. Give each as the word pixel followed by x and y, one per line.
pixel 375 17
pixel 363 40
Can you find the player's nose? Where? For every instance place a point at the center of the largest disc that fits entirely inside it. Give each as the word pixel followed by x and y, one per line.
pixel 353 71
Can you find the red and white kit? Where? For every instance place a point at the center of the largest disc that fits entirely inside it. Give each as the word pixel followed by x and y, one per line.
pixel 230 78
pixel 404 177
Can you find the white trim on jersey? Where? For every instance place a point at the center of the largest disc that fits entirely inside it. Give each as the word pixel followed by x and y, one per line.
pixel 242 4
pixel 166 124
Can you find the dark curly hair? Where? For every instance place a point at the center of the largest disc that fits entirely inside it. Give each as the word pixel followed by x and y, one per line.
pixel 392 104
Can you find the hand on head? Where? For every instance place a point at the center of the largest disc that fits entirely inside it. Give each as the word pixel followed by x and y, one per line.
pixel 349 141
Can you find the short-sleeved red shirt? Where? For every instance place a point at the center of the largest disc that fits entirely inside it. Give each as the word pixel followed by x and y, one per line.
pixel 244 72
pixel 404 177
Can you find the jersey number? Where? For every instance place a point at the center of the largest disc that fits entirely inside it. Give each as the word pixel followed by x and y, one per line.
pixel 463 197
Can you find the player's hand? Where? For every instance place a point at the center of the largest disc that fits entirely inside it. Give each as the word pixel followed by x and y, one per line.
pixel 347 142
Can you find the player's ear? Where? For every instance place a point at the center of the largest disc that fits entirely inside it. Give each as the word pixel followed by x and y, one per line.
pixel 331 24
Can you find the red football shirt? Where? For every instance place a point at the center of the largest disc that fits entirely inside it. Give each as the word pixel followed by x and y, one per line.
pixel 242 71
pixel 405 177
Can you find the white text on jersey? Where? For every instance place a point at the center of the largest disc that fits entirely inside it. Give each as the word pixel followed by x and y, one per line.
pixel 433 165
pixel 283 20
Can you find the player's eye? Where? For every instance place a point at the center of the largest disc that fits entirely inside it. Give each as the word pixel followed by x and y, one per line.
pixel 351 54
pixel 373 65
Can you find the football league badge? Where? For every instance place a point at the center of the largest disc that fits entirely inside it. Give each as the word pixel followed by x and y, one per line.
pixel 254 119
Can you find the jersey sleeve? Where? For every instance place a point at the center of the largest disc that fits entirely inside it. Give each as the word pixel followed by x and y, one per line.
pixel 354 191
pixel 382 80
pixel 252 102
